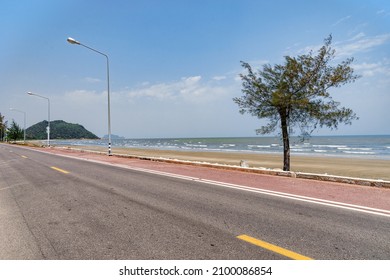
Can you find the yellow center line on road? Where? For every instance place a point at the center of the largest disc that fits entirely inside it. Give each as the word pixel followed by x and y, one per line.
pixel 273 248
pixel 24 157
pixel 59 170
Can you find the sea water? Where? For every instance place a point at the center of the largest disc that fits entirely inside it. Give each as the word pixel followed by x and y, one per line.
pixel 373 146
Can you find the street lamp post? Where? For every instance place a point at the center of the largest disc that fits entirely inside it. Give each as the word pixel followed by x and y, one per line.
pixel 74 42
pixel 24 127
pixel 48 115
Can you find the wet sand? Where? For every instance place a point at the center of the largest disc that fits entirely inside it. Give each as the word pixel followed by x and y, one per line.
pixel 349 167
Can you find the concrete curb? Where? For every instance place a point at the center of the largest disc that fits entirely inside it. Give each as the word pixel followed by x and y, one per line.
pixel 265 171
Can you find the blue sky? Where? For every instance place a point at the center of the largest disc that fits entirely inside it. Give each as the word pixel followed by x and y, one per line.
pixel 174 65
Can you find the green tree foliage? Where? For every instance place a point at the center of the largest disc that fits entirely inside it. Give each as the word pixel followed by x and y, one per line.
pixel 59 130
pixel 15 132
pixel 296 94
pixel 3 127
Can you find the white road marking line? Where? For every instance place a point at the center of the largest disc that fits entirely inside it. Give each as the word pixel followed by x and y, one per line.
pixel 353 207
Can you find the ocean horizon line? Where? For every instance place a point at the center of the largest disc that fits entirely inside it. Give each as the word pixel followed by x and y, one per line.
pixel 256 136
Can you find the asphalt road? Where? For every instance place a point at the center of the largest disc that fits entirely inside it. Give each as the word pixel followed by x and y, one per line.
pixel 53 207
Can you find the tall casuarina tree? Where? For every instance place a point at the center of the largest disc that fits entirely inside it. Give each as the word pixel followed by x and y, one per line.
pixel 296 94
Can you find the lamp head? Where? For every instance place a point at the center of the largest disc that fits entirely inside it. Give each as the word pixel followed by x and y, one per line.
pixel 72 41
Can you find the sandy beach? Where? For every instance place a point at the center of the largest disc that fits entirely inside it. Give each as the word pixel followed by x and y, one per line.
pixel 349 167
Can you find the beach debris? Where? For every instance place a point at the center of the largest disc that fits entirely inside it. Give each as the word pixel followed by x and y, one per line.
pixel 244 163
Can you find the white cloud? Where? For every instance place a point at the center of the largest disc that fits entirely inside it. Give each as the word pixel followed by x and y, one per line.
pixel 189 89
pixel 258 63
pixel 84 96
pixel 361 43
pixel 358 36
pixel 341 20
pixel 372 69
pixel 237 78
pixel 191 80
pixel 383 13
pixel 357 44
pixel 92 80
pixel 219 78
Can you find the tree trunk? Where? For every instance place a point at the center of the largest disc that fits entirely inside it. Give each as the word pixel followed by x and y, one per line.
pixel 286 143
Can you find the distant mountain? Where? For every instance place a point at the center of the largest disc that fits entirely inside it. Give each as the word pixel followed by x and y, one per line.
pixel 59 130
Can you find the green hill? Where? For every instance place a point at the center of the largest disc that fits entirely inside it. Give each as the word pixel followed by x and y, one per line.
pixel 59 130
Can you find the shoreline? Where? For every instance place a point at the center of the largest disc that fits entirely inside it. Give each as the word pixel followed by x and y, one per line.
pixel 354 147
pixel 376 169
